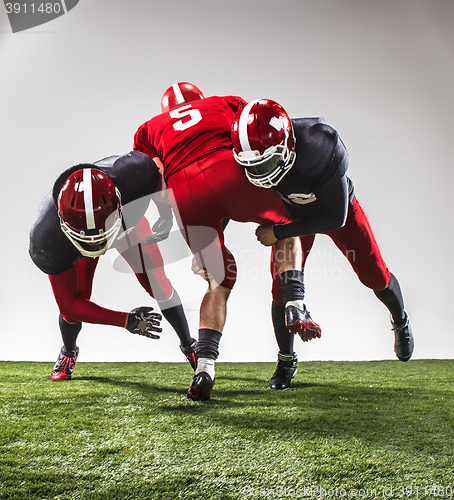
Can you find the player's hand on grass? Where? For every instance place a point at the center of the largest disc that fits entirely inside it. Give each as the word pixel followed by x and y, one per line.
pixel 143 321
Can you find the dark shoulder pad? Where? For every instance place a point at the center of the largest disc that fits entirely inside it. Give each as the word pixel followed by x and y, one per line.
pixel 135 174
pixel 315 142
pixel 306 123
pixel 49 248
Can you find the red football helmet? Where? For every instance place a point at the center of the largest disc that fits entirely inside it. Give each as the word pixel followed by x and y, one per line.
pixel 263 140
pixel 89 207
pixel 179 93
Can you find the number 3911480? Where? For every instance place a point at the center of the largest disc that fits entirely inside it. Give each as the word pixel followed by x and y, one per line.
pixel 33 8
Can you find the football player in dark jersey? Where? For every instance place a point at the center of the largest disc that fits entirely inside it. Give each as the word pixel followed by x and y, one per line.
pixel 91 208
pixel 305 161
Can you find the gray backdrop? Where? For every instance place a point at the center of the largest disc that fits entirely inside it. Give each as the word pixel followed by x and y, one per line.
pixel 382 73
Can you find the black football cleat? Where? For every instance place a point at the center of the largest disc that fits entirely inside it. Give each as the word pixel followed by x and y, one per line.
pixel 64 366
pixel 191 354
pixel 201 386
pixel 286 368
pixel 403 340
pixel 299 321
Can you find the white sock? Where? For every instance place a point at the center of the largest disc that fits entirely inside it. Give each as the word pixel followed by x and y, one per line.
pixel 205 365
pixel 297 303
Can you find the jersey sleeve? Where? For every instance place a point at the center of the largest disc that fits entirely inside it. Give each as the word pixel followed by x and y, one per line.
pixel 142 142
pixel 75 307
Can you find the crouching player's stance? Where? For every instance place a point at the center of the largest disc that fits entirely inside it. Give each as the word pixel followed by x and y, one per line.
pixel 91 208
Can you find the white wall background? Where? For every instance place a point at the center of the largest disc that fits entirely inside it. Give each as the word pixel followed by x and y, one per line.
pixel 382 73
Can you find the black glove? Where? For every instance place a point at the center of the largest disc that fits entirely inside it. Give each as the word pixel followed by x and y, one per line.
pixel 161 228
pixel 143 322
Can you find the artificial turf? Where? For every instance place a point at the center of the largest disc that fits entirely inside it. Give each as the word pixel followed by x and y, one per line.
pixel 127 431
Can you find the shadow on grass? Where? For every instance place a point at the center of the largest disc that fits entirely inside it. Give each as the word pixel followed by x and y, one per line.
pixel 374 416
pixel 145 387
pixel 377 414
pixel 221 396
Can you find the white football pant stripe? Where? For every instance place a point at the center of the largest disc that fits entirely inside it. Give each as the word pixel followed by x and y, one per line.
pixel 88 199
pixel 242 126
pixel 178 93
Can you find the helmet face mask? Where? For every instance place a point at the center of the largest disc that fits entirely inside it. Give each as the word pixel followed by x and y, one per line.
pixel 266 170
pixel 93 242
pixel 89 208
pixel 262 135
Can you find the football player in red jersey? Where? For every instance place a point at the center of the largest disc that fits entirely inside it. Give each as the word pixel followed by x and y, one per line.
pixel 191 143
pixel 308 170
pixel 91 208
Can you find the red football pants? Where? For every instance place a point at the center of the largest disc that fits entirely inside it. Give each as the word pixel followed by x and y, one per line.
pixel 357 242
pixel 72 288
pixel 206 193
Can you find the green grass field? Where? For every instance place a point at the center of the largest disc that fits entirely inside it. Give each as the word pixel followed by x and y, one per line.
pixel 126 430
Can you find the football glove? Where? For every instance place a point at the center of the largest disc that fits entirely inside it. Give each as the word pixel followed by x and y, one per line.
pixel 144 322
pixel 161 229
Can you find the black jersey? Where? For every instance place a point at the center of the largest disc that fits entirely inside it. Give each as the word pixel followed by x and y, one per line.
pixel 135 175
pixel 316 189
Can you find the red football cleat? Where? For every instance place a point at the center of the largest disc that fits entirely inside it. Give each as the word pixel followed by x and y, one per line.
pixel 191 354
pixel 64 366
pixel 299 321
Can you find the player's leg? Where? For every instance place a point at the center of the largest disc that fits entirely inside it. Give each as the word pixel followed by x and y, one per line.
pixel 357 242
pixel 287 361
pixel 392 298
pixel 291 275
pixel 70 329
pixel 212 319
pixel 148 266
pixel 199 214
pixel 213 313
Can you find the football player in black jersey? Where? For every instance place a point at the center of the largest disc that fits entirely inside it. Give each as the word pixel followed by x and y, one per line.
pixel 91 208
pixel 305 161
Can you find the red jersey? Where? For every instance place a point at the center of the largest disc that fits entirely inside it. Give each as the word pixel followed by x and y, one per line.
pixel 189 132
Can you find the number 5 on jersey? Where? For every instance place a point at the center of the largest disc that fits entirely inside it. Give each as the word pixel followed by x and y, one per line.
pixel 183 112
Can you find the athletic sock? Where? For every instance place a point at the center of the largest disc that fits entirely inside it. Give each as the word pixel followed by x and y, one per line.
pixel 205 365
pixel 284 338
pixel 69 333
pixel 208 343
pixel 173 312
pixel 292 285
pixel 392 298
